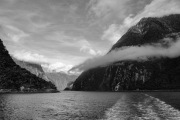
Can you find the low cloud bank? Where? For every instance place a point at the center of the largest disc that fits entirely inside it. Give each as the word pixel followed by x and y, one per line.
pixel 139 53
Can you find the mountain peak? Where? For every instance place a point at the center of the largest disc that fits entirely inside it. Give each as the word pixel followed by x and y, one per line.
pixel 149 30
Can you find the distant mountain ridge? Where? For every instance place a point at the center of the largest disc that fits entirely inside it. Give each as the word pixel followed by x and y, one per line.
pixel 12 76
pixel 155 74
pixel 60 79
pixel 34 68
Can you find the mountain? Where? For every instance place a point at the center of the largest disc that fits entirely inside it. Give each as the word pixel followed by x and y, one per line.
pixel 34 68
pixel 60 79
pixel 154 74
pixel 12 76
pixel 31 67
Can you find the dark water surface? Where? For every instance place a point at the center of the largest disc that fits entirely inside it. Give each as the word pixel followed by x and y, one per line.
pixel 72 105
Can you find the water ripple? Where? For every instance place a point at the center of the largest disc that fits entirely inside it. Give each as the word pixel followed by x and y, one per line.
pixel 87 106
pixel 141 107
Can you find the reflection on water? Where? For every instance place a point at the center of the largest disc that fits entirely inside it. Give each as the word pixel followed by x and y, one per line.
pixel 84 106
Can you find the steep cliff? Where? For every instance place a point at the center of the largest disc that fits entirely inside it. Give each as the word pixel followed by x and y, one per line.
pixel 154 74
pixel 12 76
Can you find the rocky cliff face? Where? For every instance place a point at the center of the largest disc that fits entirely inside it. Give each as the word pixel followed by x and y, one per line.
pixel 154 74
pixel 12 76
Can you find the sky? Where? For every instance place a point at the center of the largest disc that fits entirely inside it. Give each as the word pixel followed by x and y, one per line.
pixel 60 34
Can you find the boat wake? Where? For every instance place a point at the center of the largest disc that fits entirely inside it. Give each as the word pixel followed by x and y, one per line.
pixel 141 107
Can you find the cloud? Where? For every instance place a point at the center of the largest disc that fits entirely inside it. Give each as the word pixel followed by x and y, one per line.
pixel 50 64
pixel 38 20
pixel 55 29
pixel 13 33
pixel 112 33
pixel 157 8
pixel 57 67
pixel 86 47
pixel 11 1
pixel 80 43
pixel 115 9
pixel 105 7
pixel 30 56
pixel 89 50
pixel 132 53
pixel 115 31
pixel 67 40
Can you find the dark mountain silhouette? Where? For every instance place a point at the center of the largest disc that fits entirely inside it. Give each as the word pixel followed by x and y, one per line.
pixel 155 74
pixel 12 76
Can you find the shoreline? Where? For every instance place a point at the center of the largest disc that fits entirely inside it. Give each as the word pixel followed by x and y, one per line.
pixel 129 91
pixel 28 92
pixel 57 91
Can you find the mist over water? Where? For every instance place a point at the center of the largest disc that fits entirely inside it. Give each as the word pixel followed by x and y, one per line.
pixel 168 48
pixel 88 106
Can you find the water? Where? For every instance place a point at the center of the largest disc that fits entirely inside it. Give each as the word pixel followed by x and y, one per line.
pixel 90 106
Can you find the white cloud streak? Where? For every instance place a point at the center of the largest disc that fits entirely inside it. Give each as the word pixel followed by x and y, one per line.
pixel 132 53
pixel 30 56
pixel 88 50
pixel 13 33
